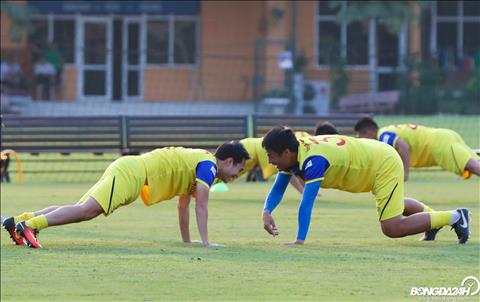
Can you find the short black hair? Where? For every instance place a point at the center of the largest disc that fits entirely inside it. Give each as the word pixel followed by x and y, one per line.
pixel 232 149
pixel 279 139
pixel 365 124
pixel 323 128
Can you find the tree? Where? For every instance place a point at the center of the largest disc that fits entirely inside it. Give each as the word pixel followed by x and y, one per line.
pixel 20 16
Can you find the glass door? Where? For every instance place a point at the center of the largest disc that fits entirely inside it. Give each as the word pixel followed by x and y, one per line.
pixel 132 71
pixel 96 58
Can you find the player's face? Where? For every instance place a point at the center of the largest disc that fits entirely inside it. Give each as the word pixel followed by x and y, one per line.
pixel 282 161
pixel 229 170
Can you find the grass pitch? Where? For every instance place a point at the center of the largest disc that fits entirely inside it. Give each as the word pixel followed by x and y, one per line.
pixel 136 254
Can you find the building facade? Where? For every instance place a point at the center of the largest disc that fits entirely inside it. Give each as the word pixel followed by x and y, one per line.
pixel 154 51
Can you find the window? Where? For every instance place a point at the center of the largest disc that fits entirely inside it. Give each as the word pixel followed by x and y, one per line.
pixel 59 30
pixel 387 47
pixel 457 31
pixel 328 40
pixel 157 42
pixel 172 41
pixel 447 8
pixel 471 38
pixel 184 42
pixel 350 40
pixel 357 43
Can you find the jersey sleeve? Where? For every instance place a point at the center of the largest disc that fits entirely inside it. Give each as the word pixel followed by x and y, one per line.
pixel 314 168
pixel 389 138
pixel 305 210
pixel 206 173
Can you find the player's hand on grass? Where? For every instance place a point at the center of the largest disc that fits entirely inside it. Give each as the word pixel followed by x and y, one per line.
pixel 269 224
pixel 294 243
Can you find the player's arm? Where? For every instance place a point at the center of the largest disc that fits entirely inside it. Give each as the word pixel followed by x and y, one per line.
pixel 298 184
pixel 404 151
pixel 314 170
pixel 205 176
pixel 272 201
pixel 184 217
pixel 201 210
pixel 401 146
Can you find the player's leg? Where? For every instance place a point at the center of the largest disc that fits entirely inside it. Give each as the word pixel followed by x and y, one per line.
pixel 400 226
pixel 452 154
pixel 389 193
pixel 60 216
pixel 10 223
pixel 413 206
pixel 473 166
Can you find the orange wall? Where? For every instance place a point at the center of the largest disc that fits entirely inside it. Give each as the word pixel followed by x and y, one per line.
pixel 69 87
pixel 169 84
pixel 227 35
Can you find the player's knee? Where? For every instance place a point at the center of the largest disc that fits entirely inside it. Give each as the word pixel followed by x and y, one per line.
pixel 90 210
pixel 391 230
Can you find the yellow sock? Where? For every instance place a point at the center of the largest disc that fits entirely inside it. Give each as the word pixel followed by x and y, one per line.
pixel 439 219
pixel 38 223
pixel 427 208
pixel 23 217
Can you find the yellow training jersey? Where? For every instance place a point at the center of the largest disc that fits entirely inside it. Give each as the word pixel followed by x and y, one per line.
pixel 175 171
pixel 420 140
pixel 258 156
pixel 341 162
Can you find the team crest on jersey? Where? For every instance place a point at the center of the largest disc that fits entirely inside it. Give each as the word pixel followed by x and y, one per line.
pixel 309 164
pixel 214 171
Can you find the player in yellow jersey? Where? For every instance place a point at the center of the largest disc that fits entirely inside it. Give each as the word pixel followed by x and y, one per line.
pixel 156 176
pixel 353 165
pixel 323 128
pixel 421 146
pixel 258 156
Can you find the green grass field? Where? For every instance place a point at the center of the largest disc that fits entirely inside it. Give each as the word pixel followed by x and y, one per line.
pixel 136 253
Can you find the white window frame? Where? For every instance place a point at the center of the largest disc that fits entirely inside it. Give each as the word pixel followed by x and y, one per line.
pixel 171 36
pixel 372 65
pixel 50 18
pixel 459 19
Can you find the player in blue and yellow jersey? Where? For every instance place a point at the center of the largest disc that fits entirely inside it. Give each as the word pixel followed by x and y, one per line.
pixel 156 176
pixel 421 146
pixel 353 165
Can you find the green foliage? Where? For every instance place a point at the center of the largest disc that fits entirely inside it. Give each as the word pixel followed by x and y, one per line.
pixel 424 90
pixel 393 14
pixel 277 93
pixel 20 16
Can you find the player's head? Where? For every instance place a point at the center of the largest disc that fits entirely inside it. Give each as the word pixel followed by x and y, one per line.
pixel 282 147
pixel 231 158
pixel 366 128
pixel 323 128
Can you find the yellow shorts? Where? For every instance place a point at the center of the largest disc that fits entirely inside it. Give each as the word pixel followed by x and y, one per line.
pixel 450 151
pixel 119 185
pixel 388 187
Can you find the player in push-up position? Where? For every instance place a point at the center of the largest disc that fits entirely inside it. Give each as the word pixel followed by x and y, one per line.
pixel 353 165
pixel 156 176
pixel 421 146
